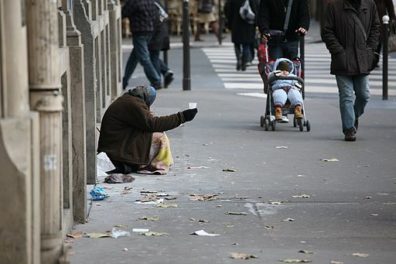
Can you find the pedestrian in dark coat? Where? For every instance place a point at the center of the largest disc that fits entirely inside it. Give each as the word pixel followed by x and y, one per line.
pixel 142 15
pixel 128 125
pixel 160 42
pixel 351 32
pixel 384 7
pixel 271 17
pixel 243 34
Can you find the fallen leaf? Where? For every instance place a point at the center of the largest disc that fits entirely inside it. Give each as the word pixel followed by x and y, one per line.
pixel 275 202
pixel 288 219
pixel 204 233
pixel 197 167
pixel 242 256
pixel 269 227
pixel 336 262
pixel 295 261
pixel 236 213
pixel 154 234
pixel 125 249
pixel 75 234
pixel 361 255
pixel 149 218
pixel 97 235
pixel 229 170
pixel 305 196
pixel 147 191
pixel 305 252
pixel 282 147
pixel 329 160
pixel 169 205
pixel 203 197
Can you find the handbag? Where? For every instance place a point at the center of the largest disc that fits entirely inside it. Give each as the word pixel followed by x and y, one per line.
pixel 392 39
pixel 247 13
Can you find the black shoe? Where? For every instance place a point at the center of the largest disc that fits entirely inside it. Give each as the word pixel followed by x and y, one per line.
pixel 350 134
pixel 157 86
pixel 168 78
pixel 356 123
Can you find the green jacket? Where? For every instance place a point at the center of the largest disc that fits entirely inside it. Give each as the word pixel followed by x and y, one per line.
pixel 127 127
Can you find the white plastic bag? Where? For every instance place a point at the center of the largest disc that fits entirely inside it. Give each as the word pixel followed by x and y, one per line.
pixel 246 13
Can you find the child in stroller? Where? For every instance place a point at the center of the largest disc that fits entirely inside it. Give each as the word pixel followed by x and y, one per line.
pixel 286 89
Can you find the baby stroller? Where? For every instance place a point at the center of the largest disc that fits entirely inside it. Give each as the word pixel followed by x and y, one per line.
pixel 269 75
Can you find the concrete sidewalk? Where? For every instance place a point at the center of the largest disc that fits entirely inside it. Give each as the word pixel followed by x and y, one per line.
pixel 279 197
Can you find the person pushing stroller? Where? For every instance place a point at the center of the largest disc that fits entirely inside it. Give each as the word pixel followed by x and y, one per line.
pixel 286 89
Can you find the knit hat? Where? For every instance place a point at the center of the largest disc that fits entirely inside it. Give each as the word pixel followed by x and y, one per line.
pixel 147 94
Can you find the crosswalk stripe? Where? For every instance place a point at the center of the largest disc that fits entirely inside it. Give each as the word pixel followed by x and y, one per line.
pixel 317 73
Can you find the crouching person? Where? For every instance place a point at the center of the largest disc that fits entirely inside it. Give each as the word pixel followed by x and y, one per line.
pixel 133 138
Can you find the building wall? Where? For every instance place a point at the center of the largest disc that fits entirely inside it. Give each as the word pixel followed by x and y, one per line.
pixel 48 117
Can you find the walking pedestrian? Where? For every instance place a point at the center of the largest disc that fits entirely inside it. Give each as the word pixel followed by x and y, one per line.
pixel 384 7
pixel 206 15
pixel 271 17
pixel 350 31
pixel 142 15
pixel 133 138
pixel 243 33
pixel 160 42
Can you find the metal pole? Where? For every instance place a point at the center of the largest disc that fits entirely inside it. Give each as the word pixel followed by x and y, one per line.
pixel 302 59
pixel 186 48
pixel 165 52
pixel 385 21
pixel 220 28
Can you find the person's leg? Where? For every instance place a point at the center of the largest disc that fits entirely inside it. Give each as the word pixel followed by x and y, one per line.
pixel 296 100
pixel 361 87
pixel 155 60
pixel 290 49
pixel 129 68
pixel 140 44
pixel 238 55
pixel 346 100
pixel 245 55
pixel 167 73
pixel 279 98
pixel 163 67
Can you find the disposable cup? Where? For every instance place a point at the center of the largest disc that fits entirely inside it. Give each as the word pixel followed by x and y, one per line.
pixel 192 105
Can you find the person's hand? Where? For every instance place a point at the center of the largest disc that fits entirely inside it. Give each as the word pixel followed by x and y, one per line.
pixel 301 31
pixel 265 37
pixel 189 114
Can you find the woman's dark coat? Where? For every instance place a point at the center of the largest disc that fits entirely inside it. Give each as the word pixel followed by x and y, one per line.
pixel 352 51
pixel 127 127
pixel 272 14
pixel 241 31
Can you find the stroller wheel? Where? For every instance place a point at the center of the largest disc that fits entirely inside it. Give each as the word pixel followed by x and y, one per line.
pixel 273 125
pixel 266 124
pixel 262 121
pixel 300 124
pixel 308 125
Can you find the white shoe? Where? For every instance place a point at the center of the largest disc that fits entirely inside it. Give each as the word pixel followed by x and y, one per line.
pixel 285 119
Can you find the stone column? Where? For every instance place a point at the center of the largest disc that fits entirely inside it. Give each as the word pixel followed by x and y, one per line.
pixel 82 17
pixel 76 51
pixel 20 224
pixel 46 99
pixel 115 48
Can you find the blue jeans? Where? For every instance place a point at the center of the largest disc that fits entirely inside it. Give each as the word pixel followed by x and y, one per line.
pixel 159 65
pixel 140 53
pixel 288 49
pixel 243 52
pixel 353 95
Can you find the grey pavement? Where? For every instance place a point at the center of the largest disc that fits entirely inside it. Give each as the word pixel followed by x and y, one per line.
pixel 287 198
